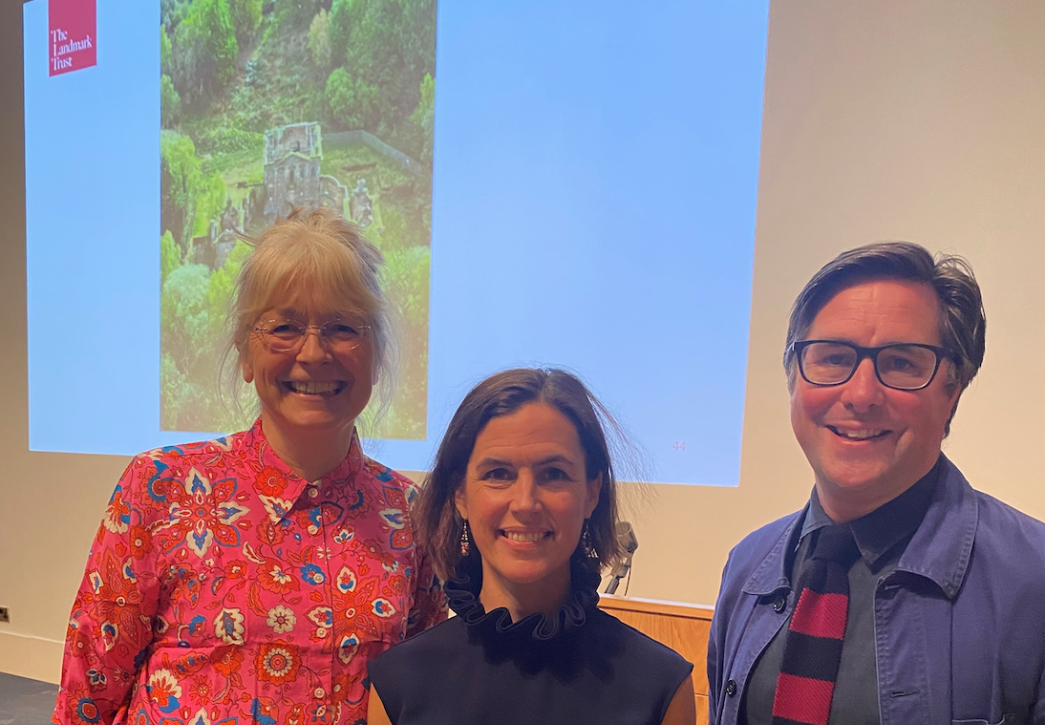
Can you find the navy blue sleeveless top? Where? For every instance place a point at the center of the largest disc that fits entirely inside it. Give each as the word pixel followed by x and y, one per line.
pixel 579 666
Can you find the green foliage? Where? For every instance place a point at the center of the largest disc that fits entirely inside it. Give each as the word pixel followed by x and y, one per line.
pixel 210 202
pixel 226 139
pixel 205 51
pixel 170 255
pixel 352 101
pixel 246 18
pixel 173 12
pixel 295 14
pixel 165 51
pixel 424 116
pixel 219 299
pixel 193 308
pixel 343 15
pixel 391 46
pixel 184 318
pixel 173 388
pixel 192 352
pixel 170 102
pixel 406 280
pixel 319 40
pixel 237 257
pixel 180 182
pixel 391 233
pixel 407 273
pixel 250 110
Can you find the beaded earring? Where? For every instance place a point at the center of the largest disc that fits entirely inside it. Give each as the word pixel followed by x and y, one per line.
pixel 587 547
pixel 466 544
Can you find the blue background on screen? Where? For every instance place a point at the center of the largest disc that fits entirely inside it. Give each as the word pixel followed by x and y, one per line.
pixel 595 180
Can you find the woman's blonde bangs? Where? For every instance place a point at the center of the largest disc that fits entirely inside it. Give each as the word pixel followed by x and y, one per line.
pixel 308 270
pixel 316 261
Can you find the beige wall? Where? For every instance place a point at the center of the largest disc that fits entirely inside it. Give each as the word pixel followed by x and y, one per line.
pixel 883 120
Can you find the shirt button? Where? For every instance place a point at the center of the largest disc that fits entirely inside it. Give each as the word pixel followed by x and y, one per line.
pixel 731 688
pixel 780 603
pixel 313 492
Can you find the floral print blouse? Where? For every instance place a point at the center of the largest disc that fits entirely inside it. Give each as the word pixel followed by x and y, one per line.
pixel 223 589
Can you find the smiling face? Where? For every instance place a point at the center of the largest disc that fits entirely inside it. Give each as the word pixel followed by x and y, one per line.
pixel 525 497
pixel 868 443
pixel 315 391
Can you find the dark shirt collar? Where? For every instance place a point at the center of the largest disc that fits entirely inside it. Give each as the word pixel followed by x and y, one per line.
pixel 880 531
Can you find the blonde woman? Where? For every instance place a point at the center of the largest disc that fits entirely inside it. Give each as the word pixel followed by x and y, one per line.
pixel 251 578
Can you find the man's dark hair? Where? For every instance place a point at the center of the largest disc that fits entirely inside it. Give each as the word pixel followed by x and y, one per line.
pixel 962 320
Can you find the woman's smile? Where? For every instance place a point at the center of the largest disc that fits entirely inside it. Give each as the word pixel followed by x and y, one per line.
pixel 526 497
pixel 312 388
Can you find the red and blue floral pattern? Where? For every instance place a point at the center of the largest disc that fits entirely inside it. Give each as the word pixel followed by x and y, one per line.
pixel 222 589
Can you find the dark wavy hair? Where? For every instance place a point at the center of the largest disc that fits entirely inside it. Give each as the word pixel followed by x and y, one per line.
pixel 963 324
pixel 439 525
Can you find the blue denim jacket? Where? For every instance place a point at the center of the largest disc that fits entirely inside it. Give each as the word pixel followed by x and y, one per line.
pixel 959 625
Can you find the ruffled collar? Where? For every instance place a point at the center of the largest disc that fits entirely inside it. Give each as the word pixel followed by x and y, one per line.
pixel 463 595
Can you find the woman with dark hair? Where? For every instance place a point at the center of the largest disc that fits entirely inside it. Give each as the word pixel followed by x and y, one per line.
pixel 519 513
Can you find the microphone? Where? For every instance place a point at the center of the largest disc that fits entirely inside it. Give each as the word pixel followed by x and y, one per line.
pixel 627 541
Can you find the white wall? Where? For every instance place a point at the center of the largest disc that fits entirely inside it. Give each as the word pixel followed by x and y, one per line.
pixel 883 120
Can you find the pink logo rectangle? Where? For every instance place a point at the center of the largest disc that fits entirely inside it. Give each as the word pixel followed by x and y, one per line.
pixel 73 44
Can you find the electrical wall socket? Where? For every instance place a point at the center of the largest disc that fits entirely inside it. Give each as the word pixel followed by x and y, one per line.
pixel 5 616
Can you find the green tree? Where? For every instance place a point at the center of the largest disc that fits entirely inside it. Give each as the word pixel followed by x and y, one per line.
pixel 343 14
pixel 173 387
pixel 209 202
pixel 189 378
pixel 165 50
pixel 424 117
pixel 205 51
pixel 170 102
pixel 170 255
pixel 246 18
pixel 295 14
pixel 184 318
pixel 407 274
pixel 180 180
pixel 219 298
pixel 319 40
pixel 393 47
pixel 352 101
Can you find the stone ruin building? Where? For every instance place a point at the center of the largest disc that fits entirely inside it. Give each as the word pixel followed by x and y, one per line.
pixel 292 157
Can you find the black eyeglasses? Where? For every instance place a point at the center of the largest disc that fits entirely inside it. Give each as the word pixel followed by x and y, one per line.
pixel 901 366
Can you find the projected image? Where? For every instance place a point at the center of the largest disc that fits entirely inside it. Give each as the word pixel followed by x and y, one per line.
pixel 267 107
pixel 592 205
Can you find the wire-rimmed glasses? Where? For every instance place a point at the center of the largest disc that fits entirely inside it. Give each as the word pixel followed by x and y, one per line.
pixel 336 335
pixel 901 366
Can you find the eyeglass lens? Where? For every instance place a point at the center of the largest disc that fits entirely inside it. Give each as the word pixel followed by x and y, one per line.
pixel 899 366
pixel 285 335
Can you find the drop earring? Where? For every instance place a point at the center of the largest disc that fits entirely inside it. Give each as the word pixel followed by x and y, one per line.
pixel 466 544
pixel 587 547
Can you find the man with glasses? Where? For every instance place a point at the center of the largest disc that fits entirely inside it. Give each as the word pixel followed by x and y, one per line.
pixel 899 594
